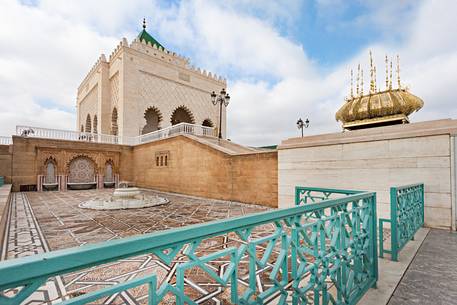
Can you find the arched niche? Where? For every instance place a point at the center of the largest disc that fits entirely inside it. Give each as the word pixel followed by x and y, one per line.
pixel 153 118
pixel 182 115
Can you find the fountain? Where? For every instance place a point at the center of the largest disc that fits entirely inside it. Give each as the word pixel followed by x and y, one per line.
pixel 124 197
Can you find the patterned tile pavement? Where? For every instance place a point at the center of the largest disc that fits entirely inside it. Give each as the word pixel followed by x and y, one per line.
pixel 65 225
pixel 24 238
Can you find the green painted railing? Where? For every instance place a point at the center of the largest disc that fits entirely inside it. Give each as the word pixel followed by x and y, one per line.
pixel 305 195
pixel 2 180
pixel 323 253
pixel 406 217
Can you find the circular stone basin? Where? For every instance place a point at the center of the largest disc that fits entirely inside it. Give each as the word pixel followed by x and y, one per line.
pixel 128 192
pixel 124 198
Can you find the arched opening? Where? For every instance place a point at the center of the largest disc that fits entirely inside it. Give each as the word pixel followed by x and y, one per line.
pixel 82 128
pixel 95 124
pixel 50 175
pixel 88 124
pixel 108 177
pixel 208 123
pixel 81 173
pixel 114 128
pixel 153 118
pixel 182 115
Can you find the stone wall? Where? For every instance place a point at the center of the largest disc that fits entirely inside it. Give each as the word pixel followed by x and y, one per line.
pixel 30 155
pixel 192 167
pixel 200 170
pixel 374 160
pixel 5 162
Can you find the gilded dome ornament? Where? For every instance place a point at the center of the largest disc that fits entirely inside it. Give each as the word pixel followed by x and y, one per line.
pixel 378 108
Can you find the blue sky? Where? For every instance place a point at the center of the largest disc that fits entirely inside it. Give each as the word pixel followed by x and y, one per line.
pixel 282 59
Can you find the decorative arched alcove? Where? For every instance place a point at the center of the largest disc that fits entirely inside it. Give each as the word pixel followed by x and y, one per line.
pixel 182 114
pixel 153 118
pixel 95 124
pixel 207 123
pixel 88 124
pixel 114 126
pixel 81 172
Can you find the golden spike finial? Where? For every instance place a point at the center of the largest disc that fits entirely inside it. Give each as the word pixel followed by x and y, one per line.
pixel 374 79
pixel 361 87
pixel 398 71
pixel 371 74
pixel 352 84
pixel 390 77
pixel 358 79
pixel 387 73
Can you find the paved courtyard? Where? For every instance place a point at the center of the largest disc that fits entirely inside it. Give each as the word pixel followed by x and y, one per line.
pixel 46 221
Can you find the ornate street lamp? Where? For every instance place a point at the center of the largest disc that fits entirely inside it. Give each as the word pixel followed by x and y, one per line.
pixel 301 125
pixel 223 99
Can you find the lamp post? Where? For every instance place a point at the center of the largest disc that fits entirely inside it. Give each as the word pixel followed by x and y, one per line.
pixel 301 125
pixel 223 99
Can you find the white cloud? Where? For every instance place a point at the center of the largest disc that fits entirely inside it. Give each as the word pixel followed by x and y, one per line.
pixel 46 50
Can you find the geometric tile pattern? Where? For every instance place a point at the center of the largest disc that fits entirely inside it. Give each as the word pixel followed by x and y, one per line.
pixel 25 238
pixel 65 225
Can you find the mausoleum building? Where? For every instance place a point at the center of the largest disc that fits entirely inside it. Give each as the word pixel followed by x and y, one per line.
pixel 143 87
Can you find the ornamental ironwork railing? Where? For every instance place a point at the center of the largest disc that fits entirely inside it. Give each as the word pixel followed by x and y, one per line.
pixel 306 195
pixel 58 134
pixel 406 217
pixel 6 140
pixel 323 253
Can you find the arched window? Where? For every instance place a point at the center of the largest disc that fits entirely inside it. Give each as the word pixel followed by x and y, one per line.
pixel 82 128
pixel 182 115
pixel 153 118
pixel 88 123
pixel 114 128
pixel 95 124
pixel 208 123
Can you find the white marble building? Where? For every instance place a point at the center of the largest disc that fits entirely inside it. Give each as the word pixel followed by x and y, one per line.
pixel 143 87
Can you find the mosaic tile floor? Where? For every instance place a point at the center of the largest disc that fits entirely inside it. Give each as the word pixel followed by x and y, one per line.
pixel 64 225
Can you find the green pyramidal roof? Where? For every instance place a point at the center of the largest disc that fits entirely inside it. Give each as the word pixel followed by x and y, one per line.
pixel 148 38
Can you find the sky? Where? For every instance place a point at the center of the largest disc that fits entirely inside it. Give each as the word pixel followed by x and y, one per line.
pixel 282 59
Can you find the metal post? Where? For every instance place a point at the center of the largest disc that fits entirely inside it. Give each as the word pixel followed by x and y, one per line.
pixel 393 224
pixel 220 119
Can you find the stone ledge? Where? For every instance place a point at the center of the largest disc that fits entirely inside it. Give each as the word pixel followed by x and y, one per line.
pixel 420 129
pixel 5 193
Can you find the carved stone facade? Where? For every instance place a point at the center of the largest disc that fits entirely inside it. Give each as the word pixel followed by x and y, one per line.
pixel 64 160
pixel 141 76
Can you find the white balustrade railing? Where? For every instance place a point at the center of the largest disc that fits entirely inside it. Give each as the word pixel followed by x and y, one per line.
pixel 6 140
pixel 181 128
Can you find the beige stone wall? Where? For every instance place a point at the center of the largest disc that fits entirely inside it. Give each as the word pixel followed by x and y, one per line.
pixel 30 155
pixel 88 106
pixel 5 193
pixel 152 81
pixel 394 156
pixel 199 170
pixel 193 168
pixel 139 76
pixel 5 162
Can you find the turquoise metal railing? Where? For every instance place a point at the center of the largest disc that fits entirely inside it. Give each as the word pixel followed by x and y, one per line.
pixel 284 255
pixel 406 217
pixel 2 180
pixel 305 195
